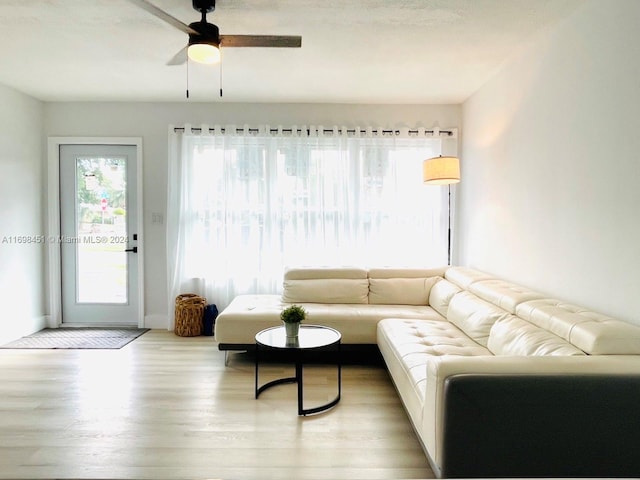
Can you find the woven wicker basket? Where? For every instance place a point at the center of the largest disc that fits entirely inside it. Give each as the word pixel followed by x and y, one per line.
pixel 189 314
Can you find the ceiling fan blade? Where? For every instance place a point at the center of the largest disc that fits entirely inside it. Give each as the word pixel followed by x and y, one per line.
pixel 179 58
pixel 162 15
pixel 283 41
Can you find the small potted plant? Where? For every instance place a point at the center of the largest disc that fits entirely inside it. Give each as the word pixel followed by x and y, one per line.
pixel 292 316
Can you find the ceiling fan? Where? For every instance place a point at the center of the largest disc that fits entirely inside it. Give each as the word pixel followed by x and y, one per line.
pixel 205 40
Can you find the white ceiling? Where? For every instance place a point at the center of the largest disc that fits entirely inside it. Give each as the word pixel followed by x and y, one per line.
pixel 353 51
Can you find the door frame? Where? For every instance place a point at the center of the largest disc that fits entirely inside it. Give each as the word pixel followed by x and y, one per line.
pixel 54 274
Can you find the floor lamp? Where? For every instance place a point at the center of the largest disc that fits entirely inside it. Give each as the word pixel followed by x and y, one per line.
pixel 442 171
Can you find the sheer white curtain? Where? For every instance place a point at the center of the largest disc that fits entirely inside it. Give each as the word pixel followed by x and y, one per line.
pixel 242 204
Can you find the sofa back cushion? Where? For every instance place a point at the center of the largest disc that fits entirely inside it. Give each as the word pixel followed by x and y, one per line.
pixel 400 291
pixel 503 294
pixel 398 286
pixel 465 276
pixel 591 332
pixel 441 294
pixel 389 272
pixel 474 316
pixel 514 336
pixel 313 273
pixel 325 285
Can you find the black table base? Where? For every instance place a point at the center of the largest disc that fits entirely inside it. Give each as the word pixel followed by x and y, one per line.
pixel 299 362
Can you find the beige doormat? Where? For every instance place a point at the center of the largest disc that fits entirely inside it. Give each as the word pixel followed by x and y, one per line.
pixel 78 338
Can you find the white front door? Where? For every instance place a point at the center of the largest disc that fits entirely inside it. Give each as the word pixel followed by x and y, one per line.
pixel 98 240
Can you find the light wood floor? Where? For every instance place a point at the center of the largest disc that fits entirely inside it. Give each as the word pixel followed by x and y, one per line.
pixel 166 407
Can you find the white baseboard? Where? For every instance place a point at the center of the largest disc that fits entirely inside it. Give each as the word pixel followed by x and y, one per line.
pixel 156 321
pixel 16 330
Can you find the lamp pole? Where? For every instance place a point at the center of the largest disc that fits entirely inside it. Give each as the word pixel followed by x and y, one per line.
pixel 449 227
pixel 443 171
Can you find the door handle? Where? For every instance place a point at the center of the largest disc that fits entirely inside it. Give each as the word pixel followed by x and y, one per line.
pixel 134 250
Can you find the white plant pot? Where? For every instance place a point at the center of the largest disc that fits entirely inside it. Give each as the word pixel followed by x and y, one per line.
pixel 292 329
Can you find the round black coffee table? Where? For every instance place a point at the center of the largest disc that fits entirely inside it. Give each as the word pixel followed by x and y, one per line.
pixel 312 338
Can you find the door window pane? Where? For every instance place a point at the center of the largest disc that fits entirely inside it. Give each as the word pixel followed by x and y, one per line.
pixel 101 230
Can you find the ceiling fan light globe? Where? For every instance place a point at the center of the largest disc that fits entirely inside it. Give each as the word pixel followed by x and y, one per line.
pixel 204 53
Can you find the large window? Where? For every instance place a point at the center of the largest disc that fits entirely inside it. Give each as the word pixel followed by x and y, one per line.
pixel 244 205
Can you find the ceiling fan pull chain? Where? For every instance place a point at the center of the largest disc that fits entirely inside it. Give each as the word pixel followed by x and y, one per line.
pixel 220 73
pixel 187 78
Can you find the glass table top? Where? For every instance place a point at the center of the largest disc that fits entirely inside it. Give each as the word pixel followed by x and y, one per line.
pixel 310 336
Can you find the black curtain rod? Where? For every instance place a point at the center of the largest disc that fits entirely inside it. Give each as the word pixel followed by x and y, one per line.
pixel 308 131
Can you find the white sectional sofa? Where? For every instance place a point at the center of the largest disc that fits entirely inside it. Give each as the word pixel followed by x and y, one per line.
pixel 497 379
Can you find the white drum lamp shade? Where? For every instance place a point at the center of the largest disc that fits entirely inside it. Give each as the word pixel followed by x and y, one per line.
pixel 441 170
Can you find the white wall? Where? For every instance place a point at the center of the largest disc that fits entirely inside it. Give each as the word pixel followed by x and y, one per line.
pixel 22 297
pixel 551 164
pixel 151 121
